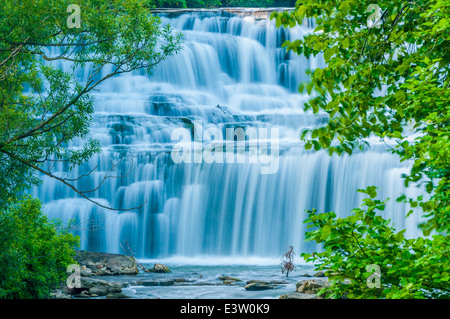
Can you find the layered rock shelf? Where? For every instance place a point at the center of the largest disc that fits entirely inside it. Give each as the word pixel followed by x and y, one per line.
pixel 105 264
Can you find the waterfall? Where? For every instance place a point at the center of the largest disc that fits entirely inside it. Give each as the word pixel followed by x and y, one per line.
pixel 231 73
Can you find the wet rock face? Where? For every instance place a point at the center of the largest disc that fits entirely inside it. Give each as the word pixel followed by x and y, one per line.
pixel 100 287
pixel 258 286
pixel 105 264
pixel 263 285
pixel 307 289
pixel 160 268
pixel 311 286
pixel 226 280
pixel 90 287
pixel 298 295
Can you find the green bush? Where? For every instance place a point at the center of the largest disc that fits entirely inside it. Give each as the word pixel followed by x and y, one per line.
pixel 196 3
pixel 170 3
pixel 34 251
pixel 408 268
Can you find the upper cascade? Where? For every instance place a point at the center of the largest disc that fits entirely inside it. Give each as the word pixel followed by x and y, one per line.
pixel 232 73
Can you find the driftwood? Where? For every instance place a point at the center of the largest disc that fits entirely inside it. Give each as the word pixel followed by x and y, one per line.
pixel 287 263
pixel 129 252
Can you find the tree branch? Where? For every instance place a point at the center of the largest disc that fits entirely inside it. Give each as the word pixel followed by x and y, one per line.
pixel 130 254
pixel 62 180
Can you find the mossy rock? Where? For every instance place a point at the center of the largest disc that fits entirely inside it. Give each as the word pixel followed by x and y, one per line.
pixel 226 278
pixel 160 268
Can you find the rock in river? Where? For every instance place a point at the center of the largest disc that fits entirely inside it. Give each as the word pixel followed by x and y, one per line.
pixel 160 268
pixel 90 287
pixel 100 264
pixel 258 285
pixel 311 286
pixel 298 295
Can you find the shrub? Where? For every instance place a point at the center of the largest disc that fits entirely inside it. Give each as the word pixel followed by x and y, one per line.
pixel 34 251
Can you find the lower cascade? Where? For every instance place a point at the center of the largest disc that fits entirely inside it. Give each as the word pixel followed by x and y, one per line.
pixel 208 148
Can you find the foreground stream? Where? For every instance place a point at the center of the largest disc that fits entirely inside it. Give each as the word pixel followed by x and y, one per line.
pixel 196 281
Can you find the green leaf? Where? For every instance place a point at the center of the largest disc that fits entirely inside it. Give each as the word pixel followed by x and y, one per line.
pixel 326 229
pixel 328 54
pixel 318 73
pixel 346 43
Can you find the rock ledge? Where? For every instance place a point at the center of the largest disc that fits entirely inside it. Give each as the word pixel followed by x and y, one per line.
pixel 105 264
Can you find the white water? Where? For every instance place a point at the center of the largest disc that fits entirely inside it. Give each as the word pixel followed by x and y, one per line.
pixel 229 211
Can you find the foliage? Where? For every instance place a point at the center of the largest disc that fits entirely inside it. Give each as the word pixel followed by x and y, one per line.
pixel 196 3
pixel 386 76
pixel 170 3
pixel 34 251
pixel 407 270
pixel 42 107
pixel 203 4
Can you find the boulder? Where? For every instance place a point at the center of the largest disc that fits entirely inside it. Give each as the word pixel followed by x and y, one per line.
pixel 319 274
pixel 86 272
pixel 311 286
pixel 272 282
pixel 102 264
pixel 84 294
pixel 223 278
pixel 116 295
pixel 307 289
pixel 226 280
pixel 298 295
pixel 262 282
pixel 59 294
pixel 160 268
pixel 278 282
pixel 90 287
pixel 258 286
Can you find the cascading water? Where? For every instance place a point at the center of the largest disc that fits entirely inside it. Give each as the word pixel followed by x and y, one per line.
pixel 232 73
